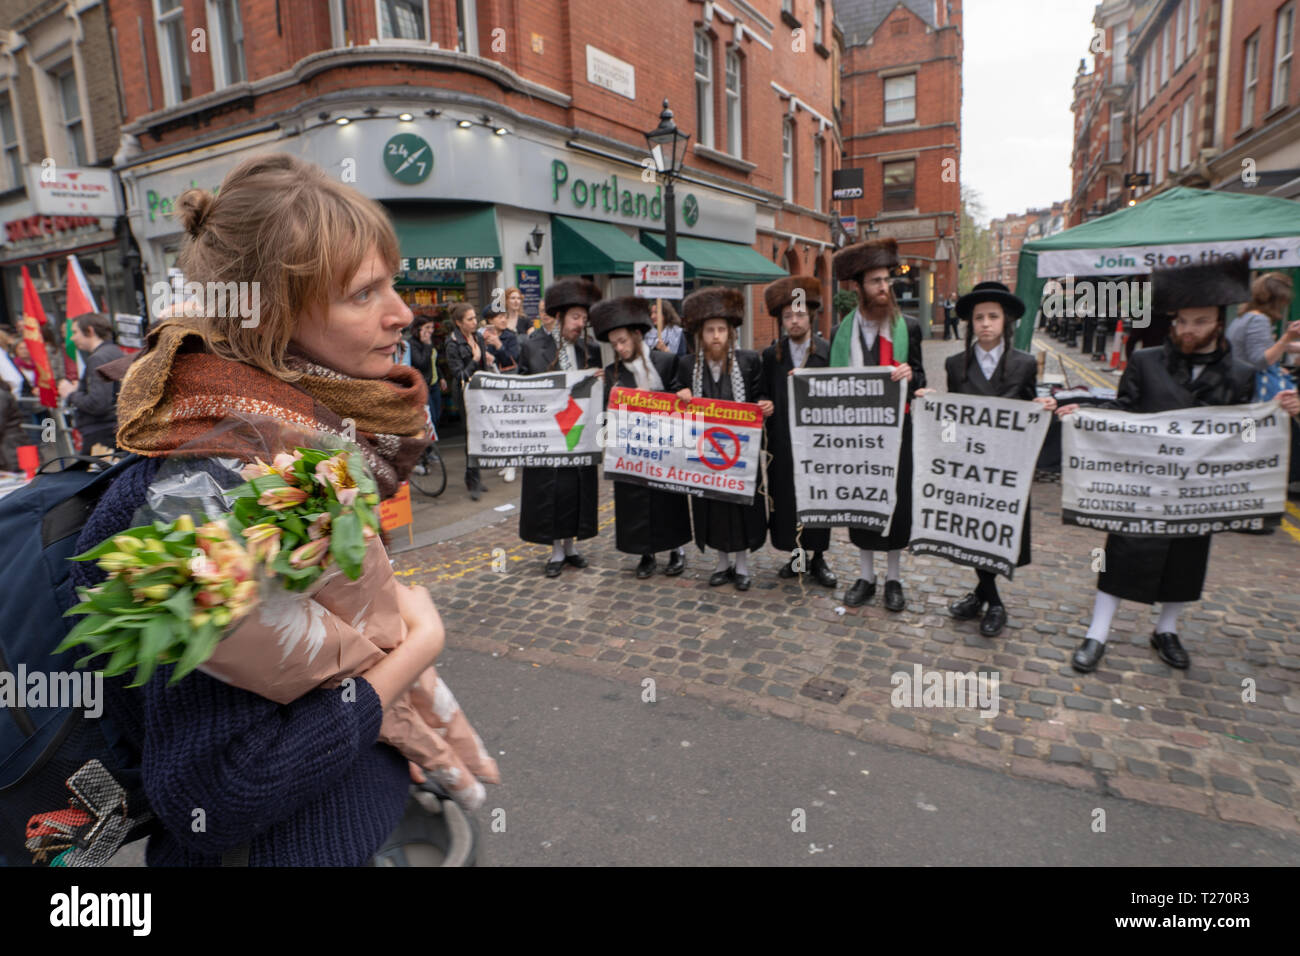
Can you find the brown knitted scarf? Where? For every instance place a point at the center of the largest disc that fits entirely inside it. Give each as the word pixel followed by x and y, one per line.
pixel 176 394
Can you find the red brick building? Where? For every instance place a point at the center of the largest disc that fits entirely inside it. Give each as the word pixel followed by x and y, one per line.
pixel 902 127
pixel 486 125
pixel 1011 232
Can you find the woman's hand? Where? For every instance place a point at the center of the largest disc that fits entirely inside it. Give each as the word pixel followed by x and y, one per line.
pixel 901 373
pixel 1064 410
pixel 425 638
pixel 661 345
pixel 1291 333
pixel 1048 403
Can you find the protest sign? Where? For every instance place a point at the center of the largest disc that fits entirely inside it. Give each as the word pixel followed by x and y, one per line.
pixel 845 435
pixel 973 465
pixel 533 421
pixel 1191 471
pixel 704 447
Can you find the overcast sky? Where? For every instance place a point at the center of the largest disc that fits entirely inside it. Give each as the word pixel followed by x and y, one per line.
pixel 1017 130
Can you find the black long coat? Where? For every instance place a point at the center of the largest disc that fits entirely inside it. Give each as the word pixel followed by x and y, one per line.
pixel 900 529
pixel 781 522
pixel 647 520
pixel 1168 569
pixel 722 525
pixel 1016 376
pixel 557 503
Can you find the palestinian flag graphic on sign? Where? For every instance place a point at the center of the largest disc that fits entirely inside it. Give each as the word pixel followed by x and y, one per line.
pixel 574 416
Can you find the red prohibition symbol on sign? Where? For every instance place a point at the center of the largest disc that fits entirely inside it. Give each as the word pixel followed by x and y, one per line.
pixel 715 438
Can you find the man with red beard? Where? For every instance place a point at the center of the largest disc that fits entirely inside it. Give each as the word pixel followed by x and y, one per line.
pixel 1194 367
pixel 719 370
pixel 877 333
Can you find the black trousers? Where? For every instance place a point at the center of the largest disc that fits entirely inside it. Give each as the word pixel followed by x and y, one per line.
pixel 987 590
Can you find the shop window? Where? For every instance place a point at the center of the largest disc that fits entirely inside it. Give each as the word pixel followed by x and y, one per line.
pixel 704 88
pixel 173 50
pixel 1282 50
pixel 900 99
pixel 9 143
pixel 70 105
pixel 228 42
pixel 900 186
pixel 402 19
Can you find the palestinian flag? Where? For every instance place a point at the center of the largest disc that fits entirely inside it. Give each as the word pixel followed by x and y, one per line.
pixel 80 301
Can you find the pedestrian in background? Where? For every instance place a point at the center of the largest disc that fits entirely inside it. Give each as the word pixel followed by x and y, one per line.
pixel 516 320
pixel 424 359
pixel 504 345
pixel 467 353
pixel 94 398
pixel 674 338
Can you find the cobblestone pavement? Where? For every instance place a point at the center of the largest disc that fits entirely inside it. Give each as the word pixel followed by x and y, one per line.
pixel 1135 728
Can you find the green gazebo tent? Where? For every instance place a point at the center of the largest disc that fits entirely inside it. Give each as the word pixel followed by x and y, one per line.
pixel 1179 227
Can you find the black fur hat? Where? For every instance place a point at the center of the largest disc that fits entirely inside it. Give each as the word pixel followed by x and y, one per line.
pixel 627 312
pixel 781 293
pixel 567 293
pixel 852 261
pixel 1190 287
pixel 715 302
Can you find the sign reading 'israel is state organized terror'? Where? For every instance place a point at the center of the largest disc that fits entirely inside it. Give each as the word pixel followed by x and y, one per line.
pixel 703 447
pixel 1192 471
pixel 845 433
pixel 973 465
pixel 533 421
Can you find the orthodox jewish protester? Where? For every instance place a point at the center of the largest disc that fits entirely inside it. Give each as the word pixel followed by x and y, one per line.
pixel 558 505
pixel 794 302
pixel 990 365
pixel 877 333
pixel 1193 367
pixel 718 369
pixel 646 520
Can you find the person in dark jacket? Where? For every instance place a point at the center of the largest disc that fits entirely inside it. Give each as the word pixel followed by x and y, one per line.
pixel 467 353
pixel 11 428
pixel 877 333
pixel 717 369
pixel 794 302
pixel 1193 367
pixel 646 520
pixel 558 505
pixel 424 359
pixel 94 398
pixel 991 366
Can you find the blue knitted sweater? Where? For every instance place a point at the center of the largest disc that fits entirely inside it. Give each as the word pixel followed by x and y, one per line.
pixel 303 784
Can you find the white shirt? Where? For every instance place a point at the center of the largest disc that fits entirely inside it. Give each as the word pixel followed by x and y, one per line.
pixel 799 353
pixel 1197 370
pixel 989 360
pixel 573 355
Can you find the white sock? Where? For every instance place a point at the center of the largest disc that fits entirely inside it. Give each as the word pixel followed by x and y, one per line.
pixel 891 565
pixel 742 562
pixel 724 561
pixel 569 547
pixel 867 565
pixel 1103 612
pixel 680 551
pixel 557 551
pixel 1168 623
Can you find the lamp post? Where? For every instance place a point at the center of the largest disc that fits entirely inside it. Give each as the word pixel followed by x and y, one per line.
pixel 668 148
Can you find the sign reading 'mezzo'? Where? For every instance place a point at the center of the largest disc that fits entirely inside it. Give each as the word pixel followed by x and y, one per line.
pixel 845 433
pixel 703 447
pixel 533 421
pixel 973 467
pixel 1192 471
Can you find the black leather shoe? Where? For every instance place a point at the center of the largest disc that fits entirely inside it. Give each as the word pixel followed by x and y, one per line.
pixel 861 592
pixel 1170 651
pixel 967 608
pixel 742 582
pixel 719 578
pixel 676 564
pixel 553 568
pixel 1088 656
pixel 646 567
pixel 822 573
pixel 995 619
pixel 894 600
pixel 577 560
pixel 787 570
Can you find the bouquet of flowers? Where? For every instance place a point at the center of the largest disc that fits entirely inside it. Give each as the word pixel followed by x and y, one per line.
pixel 288 591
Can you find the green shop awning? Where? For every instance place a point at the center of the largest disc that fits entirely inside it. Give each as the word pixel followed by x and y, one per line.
pixel 717 261
pixel 448 239
pixel 587 247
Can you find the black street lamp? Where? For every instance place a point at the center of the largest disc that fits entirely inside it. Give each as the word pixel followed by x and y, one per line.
pixel 668 147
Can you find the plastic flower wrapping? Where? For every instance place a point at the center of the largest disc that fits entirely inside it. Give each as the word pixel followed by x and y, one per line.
pixel 266 570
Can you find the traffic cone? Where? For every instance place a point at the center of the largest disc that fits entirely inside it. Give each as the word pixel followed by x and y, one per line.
pixel 1116 361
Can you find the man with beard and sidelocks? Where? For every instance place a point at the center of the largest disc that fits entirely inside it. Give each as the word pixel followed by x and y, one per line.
pixel 877 333
pixel 1194 367
pixel 718 369
pixel 646 520
pixel 794 302
pixel 558 505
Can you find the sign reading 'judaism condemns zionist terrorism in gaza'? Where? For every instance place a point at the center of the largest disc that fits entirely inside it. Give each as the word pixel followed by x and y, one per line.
pixel 845 435
pixel 973 467
pixel 533 421
pixel 1192 471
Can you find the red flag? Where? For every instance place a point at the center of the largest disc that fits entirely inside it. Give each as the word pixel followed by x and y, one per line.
pixel 80 301
pixel 33 322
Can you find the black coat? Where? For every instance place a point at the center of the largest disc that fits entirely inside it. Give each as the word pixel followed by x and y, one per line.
pixel 722 525
pixel 95 399
pixel 781 523
pixel 11 429
pixel 460 358
pixel 647 520
pixel 1016 376
pixel 1168 569
pixel 556 503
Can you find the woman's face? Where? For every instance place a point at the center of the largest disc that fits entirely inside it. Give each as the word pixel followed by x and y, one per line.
pixel 500 321
pixel 426 332
pixel 469 324
pixel 360 333
pixel 515 302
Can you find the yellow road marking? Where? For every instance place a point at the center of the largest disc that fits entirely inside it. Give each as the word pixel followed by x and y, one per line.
pixel 1091 375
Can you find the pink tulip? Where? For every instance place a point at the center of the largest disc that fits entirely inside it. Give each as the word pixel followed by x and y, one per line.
pixel 279 499
pixel 309 554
